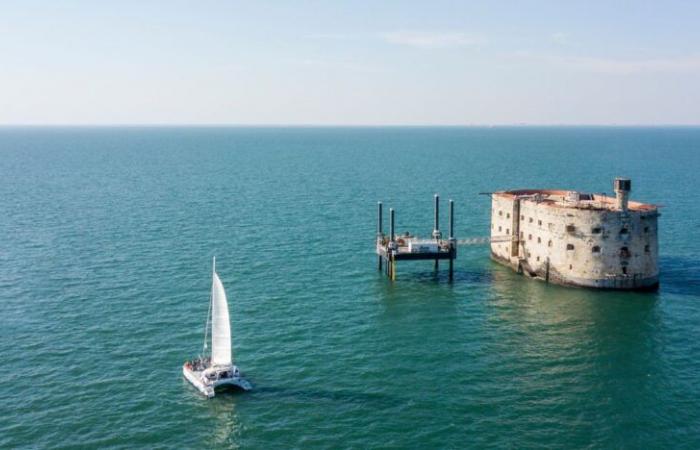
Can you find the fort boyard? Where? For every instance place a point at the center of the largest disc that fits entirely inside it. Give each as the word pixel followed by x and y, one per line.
pixel 577 239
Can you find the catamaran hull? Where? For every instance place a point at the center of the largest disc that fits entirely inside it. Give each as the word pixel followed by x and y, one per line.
pixel 208 389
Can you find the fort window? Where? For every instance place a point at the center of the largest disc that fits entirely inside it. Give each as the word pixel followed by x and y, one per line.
pixel 500 213
pixel 529 254
pixel 646 248
pixel 508 216
pixel 522 235
pixel 569 246
pixel 529 237
pixel 538 258
pixel 539 222
pixel 624 252
pixel 522 217
pixel 624 231
pixel 530 219
pixel 549 244
pixel 570 228
pixel 624 270
pixel 595 249
pixel 539 240
pixel 646 229
pixel 507 230
pixel 500 228
pixel 571 267
pixel 596 230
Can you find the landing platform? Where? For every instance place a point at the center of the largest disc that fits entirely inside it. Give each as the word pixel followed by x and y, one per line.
pixel 441 250
pixel 406 247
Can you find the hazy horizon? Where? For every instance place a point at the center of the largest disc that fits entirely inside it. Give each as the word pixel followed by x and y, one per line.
pixel 339 125
pixel 359 64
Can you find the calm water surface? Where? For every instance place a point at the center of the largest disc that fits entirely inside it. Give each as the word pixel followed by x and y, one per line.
pixel 108 235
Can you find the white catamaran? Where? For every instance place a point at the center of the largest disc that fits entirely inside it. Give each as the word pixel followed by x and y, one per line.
pixel 209 373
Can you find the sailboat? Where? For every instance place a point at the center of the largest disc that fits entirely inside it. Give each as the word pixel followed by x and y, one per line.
pixel 207 373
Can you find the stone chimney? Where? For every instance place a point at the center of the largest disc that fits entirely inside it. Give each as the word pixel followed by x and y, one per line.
pixel 622 186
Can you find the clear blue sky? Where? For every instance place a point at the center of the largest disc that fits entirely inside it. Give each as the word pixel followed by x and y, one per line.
pixel 355 62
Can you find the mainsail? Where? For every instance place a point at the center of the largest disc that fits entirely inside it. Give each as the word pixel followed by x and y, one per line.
pixel 220 325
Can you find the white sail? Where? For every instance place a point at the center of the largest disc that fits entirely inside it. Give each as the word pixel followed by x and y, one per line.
pixel 220 325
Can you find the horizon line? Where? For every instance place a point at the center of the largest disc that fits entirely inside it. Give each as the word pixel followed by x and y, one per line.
pixel 341 125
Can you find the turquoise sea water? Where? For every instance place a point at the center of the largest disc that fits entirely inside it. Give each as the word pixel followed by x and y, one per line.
pixel 108 235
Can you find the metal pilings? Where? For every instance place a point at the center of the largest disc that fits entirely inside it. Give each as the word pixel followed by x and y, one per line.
pixel 453 242
pixel 436 228
pixel 392 244
pixel 452 220
pixel 380 232
pixel 392 233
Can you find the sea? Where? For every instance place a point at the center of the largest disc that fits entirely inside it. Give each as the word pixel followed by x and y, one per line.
pixel 108 235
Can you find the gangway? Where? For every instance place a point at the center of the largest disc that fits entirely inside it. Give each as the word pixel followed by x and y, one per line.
pixel 483 240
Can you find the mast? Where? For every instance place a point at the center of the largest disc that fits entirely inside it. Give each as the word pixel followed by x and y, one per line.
pixel 211 298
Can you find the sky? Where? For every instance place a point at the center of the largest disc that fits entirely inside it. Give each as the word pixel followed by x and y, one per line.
pixel 350 63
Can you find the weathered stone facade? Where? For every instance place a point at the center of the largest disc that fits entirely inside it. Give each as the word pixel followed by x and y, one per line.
pixel 570 238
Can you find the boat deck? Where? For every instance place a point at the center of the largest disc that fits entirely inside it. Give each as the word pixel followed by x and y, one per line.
pixel 196 377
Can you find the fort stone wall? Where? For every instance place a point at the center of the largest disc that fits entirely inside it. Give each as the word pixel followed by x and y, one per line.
pixel 588 243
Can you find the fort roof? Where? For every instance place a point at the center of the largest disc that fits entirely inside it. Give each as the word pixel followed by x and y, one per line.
pixel 571 199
